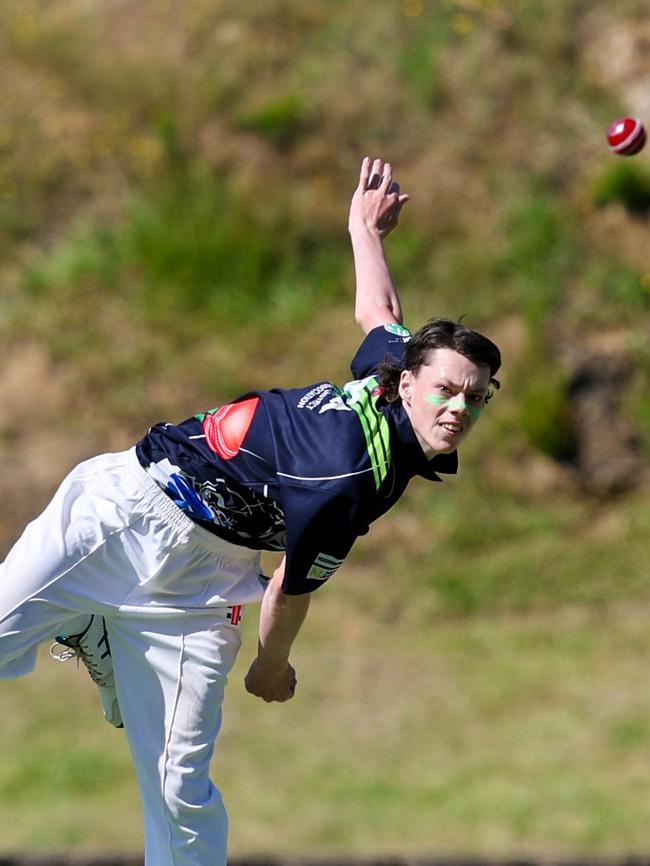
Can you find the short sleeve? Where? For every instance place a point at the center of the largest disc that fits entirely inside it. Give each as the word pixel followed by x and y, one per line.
pixel 387 342
pixel 320 535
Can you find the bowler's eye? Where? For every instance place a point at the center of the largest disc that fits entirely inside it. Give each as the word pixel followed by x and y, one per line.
pixel 477 398
pixel 444 389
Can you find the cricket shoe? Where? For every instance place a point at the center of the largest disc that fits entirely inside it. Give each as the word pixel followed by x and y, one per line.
pixel 91 646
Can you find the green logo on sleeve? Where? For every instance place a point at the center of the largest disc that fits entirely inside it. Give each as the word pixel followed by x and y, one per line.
pixel 398 330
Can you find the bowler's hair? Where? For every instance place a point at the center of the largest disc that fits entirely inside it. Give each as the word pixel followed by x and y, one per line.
pixel 439 334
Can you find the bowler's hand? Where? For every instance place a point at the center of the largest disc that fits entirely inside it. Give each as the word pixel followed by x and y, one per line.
pixel 377 202
pixel 269 682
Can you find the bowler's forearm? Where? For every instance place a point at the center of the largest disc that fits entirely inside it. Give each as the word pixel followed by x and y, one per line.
pixel 281 618
pixel 376 299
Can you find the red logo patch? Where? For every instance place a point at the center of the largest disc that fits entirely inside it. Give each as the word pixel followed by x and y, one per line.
pixel 226 428
pixel 235 613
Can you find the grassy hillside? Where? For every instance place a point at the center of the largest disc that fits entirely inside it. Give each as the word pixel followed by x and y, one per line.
pixel 174 186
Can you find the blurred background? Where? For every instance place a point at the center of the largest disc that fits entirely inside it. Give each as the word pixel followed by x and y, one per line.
pixel 174 185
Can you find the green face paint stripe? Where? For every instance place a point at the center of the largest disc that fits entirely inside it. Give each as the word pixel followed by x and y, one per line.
pixel 459 401
pixel 453 403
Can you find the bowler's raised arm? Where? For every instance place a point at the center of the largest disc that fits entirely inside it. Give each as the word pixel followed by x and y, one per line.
pixel 374 212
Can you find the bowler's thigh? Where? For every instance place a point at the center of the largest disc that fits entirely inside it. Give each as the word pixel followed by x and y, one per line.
pixel 171 671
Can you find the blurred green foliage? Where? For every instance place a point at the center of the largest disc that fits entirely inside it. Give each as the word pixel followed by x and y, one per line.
pixel 189 254
pixel 626 183
pixel 546 414
pixel 541 255
pixel 280 121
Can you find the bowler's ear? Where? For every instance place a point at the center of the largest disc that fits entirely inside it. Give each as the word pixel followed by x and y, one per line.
pixel 405 387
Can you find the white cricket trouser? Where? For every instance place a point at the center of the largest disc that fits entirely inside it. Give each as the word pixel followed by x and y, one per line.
pixel 113 544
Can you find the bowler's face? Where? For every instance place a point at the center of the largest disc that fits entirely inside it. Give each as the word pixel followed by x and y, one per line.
pixel 444 399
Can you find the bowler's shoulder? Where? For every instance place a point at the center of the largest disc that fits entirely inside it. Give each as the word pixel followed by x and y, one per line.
pixel 384 343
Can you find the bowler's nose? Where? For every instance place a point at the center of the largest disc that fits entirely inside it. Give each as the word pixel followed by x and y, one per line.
pixel 458 405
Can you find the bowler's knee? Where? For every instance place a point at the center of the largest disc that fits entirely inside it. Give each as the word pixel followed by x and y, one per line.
pixel 190 796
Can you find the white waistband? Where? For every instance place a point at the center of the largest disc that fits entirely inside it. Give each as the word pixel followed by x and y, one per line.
pixel 161 504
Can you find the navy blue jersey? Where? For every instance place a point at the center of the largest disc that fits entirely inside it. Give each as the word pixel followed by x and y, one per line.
pixel 303 470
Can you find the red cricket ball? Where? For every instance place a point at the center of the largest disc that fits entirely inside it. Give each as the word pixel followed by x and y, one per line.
pixel 626 136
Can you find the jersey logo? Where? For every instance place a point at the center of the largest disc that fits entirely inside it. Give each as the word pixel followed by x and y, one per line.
pixel 399 331
pixel 323 567
pixel 337 403
pixel 235 613
pixel 225 428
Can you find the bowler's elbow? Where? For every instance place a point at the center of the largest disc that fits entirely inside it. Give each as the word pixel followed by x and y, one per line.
pixel 369 318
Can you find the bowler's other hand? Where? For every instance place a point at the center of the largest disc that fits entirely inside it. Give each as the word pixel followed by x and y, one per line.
pixel 377 201
pixel 269 682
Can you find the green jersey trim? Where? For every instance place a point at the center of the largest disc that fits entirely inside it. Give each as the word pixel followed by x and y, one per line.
pixel 376 430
